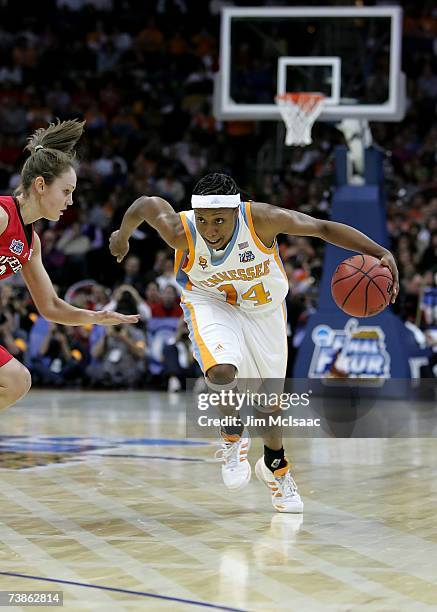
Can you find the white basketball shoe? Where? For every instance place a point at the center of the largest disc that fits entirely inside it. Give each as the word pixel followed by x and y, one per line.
pixel 285 497
pixel 236 470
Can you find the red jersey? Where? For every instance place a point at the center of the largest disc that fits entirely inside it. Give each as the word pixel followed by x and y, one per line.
pixel 159 310
pixel 16 242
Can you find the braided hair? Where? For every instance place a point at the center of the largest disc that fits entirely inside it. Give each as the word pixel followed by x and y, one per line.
pixel 216 184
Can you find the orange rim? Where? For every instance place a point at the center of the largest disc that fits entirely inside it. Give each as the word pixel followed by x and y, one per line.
pixel 298 97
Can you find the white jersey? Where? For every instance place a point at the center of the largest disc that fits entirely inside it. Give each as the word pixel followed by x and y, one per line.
pixel 247 274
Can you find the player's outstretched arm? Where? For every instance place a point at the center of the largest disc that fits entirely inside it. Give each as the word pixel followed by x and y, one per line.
pixel 52 308
pixel 158 213
pixel 282 221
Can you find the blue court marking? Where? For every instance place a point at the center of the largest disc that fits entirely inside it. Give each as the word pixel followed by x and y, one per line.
pixel 13 437
pixel 164 457
pixel 61 438
pixel 36 447
pixel 95 439
pixel 162 442
pixel 41 444
pixel 191 602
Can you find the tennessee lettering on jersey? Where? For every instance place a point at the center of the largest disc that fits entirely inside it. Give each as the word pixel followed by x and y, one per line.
pixel 259 285
pixel 244 274
pixel 15 250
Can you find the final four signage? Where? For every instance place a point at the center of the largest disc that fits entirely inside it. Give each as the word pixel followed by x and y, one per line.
pixel 358 351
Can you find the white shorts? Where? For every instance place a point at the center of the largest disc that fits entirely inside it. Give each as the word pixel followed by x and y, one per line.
pixel 256 344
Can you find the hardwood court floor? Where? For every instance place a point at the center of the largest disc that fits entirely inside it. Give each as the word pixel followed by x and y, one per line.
pixel 103 491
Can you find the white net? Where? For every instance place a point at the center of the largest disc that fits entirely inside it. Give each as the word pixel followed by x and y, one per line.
pixel 299 111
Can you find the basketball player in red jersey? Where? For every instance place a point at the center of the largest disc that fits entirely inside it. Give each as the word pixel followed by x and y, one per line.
pixel 48 179
pixel 233 288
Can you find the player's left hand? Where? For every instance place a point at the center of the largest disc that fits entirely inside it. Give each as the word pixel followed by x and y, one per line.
pixel 389 262
pixel 118 246
pixel 107 317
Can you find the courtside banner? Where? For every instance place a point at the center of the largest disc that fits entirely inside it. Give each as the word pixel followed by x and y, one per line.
pixel 336 407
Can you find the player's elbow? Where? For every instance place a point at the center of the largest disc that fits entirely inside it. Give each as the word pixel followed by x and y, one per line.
pixel 173 234
pixel 322 229
pixel 50 309
pixel 138 210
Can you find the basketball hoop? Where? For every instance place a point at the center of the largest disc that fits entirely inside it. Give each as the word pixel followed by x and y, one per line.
pixel 299 111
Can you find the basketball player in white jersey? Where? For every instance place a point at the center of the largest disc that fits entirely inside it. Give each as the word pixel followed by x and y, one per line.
pixel 233 290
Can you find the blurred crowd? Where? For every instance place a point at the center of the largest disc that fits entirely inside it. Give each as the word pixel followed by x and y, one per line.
pixel 144 86
pixel 156 352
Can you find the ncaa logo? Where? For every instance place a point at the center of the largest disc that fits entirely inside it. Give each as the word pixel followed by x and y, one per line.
pixel 359 351
pixel 246 256
pixel 16 246
pixel 322 336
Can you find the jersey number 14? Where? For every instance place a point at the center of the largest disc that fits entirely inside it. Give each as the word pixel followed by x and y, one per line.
pixel 256 294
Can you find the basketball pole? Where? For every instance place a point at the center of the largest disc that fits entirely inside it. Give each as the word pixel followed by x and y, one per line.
pixel 279 145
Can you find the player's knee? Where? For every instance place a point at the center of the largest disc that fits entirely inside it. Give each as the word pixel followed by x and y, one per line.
pixel 26 382
pixel 18 382
pixel 22 382
pixel 222 374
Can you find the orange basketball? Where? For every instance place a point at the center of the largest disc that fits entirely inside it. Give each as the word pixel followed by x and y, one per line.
pixel 361 286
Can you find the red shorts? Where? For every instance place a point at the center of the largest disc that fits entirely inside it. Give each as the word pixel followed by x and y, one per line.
pixel 5 356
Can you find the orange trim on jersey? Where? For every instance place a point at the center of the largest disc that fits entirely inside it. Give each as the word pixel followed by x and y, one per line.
pixel 284 312
pixel 178 261
pixel 191 253
pixel 208 360
pixel 259 244
pixel 280 264
pixel 178 256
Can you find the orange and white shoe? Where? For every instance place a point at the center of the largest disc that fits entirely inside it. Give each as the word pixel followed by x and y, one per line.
pixel 285 497
pixel 236 470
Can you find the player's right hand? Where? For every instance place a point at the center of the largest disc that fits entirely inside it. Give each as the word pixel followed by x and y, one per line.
pixel 118 246
pixel 389 262
pixel 109 317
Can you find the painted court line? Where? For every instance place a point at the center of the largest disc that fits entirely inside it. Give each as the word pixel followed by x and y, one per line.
pixel 190 602
pixel 346 575
pixel 111 555
pixel 195 549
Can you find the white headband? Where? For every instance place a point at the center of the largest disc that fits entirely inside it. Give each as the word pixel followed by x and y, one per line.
pixel 215 201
